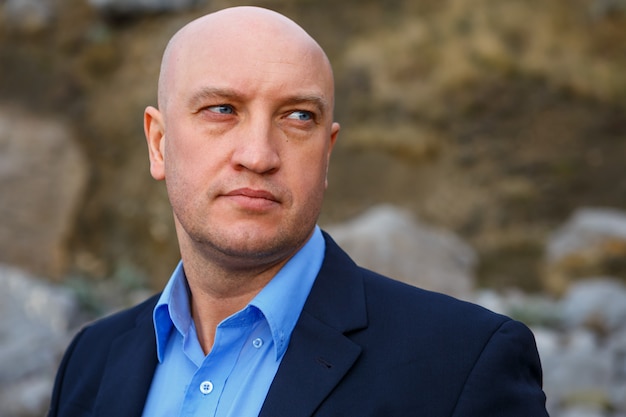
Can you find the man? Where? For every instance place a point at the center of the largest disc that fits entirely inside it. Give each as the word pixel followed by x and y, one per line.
pixel 265 315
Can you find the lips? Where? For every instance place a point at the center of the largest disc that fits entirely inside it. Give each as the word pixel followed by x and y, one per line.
pixel 250 193
pixel 252 201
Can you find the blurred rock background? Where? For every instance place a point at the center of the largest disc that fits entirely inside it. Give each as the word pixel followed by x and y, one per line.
pixel 482 141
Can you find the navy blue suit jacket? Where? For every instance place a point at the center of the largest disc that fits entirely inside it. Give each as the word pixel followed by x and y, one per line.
pixel 363 346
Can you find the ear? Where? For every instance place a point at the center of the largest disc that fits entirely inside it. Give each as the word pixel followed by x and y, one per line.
pixel 334 132
pixel 154 129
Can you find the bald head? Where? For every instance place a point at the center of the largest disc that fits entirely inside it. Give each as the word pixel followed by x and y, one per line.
pixel 247 35
pixel 243 139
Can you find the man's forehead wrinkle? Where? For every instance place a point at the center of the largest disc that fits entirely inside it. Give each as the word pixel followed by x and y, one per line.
pixel 237 28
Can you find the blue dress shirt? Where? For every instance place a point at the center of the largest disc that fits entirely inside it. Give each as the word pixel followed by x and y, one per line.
pixel 234 378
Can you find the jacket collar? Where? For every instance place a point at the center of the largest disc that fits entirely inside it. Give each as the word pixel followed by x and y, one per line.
pixel 133 355
pixel 318 348
pixel 320 354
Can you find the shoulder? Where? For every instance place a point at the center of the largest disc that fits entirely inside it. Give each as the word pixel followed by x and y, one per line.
pixel 404 298
pixel 93 341
pixel 461 346
pixel 389 303
pixel 121 321
pixel 128 333
pixel 393 302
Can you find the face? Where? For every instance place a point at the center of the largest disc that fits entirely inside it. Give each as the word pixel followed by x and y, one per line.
pixel 243 141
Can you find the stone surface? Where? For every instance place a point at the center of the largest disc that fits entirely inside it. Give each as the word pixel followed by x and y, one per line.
pixel 578 373
pixel 34 331
pixel 581 337
pixel 42 177
pixel 592 242
pixel 29 16
pixel 484 131
pixel 490 133
pixel 597 304
pixel 587 228
pixel 581 342
pixel 582 412
pixel 390 241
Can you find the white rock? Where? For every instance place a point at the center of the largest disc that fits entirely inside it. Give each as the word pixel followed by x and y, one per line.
pixel 27 15
pixel 577 371
pixel 491 300
pixel 618 397
pixel 390 241
pixel 596 303
pixel 547 340
pixel 588 228
pixel 34 314
pixel 27 397
pixel 581 412
pixel 34 332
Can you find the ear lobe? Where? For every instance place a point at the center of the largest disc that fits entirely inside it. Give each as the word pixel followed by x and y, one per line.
pixel 154 129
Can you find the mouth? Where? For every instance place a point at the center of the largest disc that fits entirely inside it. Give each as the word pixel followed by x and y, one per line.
pixel 252 200
pixel 250 193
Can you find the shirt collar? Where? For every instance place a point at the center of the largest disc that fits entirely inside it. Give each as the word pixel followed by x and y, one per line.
pixel 172 310
pixel 280 301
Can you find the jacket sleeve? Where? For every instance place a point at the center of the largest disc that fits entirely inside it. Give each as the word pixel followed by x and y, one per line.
pixel 61 377
pixel 506 380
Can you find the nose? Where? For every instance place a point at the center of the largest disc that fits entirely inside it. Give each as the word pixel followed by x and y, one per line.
pixel 257 148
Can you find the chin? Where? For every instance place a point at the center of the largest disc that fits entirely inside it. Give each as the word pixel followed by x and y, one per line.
pixel 264 244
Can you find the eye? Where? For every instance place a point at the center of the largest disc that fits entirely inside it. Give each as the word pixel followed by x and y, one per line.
pixel 301 115
pixel 221 109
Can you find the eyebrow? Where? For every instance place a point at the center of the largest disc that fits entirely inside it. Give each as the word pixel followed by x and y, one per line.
pixel 316 100
pixel 212 93
pixel 228 94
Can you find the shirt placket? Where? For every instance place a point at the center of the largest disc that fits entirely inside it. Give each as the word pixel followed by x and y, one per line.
pixel 203 394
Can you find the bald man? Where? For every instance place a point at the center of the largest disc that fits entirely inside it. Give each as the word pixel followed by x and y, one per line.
pixel 265 315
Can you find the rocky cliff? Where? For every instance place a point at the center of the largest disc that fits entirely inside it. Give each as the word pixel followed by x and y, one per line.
pixel 495 120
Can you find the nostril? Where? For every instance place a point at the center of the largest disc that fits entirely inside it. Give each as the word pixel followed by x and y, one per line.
pixel 261 161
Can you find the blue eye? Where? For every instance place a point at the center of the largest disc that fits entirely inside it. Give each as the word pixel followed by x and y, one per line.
pixel 222 109
pixel 301 115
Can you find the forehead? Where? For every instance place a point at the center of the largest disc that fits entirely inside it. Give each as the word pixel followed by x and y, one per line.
pixel 262 58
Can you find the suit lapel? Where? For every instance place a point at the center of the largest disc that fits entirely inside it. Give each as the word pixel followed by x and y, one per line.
pixel 318 357
pixel 132 356
pixel 319 353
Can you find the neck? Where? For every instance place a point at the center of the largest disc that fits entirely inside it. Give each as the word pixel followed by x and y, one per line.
pixel 217 293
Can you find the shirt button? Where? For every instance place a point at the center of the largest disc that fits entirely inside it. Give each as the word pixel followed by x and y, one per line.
pixel 206 387
pixel 257 343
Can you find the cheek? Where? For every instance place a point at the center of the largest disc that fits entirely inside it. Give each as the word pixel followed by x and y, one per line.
pixel 190 153
pixel 184 169
pixel 310 171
